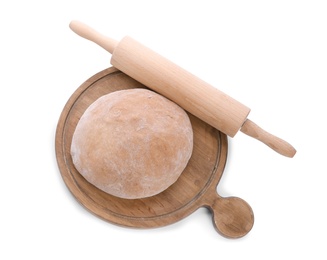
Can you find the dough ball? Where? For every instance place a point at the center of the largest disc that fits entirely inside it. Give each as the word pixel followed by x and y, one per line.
pixel 132 143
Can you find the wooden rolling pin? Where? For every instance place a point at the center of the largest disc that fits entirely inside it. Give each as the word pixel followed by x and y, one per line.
pixel 188 91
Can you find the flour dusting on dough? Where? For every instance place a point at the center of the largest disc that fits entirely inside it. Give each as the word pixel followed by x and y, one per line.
pixel 132 143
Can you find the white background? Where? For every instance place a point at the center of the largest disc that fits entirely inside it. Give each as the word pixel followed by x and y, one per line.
pixel 270 55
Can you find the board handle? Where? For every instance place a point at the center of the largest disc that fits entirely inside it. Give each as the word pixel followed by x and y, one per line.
pixel 280 146
pixel 232 216
pixel 89 33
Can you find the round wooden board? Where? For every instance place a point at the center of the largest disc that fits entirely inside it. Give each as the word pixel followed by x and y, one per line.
pixel 196 187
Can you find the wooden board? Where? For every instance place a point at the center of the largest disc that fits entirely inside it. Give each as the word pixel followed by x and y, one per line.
pixel 196 187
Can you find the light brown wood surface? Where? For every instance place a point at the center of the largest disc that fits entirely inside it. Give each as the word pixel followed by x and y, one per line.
pixel 274 142
pixel 191 93
pixel 196 187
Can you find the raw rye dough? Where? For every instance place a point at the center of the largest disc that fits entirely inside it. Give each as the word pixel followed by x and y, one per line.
pixel 132 143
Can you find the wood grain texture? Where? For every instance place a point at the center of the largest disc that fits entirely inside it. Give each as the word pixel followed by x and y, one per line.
pixel 196 187
pixel 190 92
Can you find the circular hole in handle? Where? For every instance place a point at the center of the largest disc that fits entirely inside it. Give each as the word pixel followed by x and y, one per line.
pixel 232 216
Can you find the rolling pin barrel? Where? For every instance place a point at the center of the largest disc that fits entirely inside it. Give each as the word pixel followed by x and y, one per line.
pixel 188 91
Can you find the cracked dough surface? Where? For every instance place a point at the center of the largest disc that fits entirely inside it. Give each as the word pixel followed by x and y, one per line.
pixel 132 143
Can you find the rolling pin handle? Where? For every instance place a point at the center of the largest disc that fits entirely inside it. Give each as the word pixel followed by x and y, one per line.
pixel 280 146
pixel 90 34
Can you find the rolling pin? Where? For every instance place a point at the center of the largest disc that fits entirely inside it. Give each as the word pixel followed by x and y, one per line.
pixel 188 91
